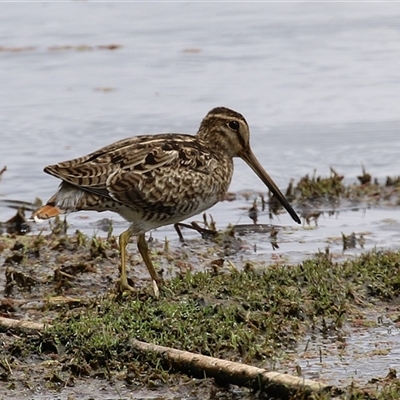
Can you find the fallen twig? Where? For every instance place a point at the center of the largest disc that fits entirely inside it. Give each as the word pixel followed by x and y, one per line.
pixel 275 383
pixel 22 325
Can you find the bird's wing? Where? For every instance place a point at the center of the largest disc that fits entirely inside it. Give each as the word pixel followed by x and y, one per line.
pixel 143 170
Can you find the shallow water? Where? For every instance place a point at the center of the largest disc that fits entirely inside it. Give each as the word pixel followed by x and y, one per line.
pixel 362 355
pixel 317 82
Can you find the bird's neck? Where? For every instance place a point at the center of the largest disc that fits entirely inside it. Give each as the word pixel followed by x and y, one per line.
pixel 216 141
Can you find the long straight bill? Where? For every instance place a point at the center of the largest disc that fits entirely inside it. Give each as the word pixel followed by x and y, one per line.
pixel 252 161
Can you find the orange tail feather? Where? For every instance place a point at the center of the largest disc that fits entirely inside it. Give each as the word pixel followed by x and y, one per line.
pixel 46 212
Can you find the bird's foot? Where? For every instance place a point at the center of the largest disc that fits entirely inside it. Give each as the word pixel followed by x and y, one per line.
pixel 125 286
pixel 155 289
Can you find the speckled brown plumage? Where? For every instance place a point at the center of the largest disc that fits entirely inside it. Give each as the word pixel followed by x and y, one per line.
pixel 157 180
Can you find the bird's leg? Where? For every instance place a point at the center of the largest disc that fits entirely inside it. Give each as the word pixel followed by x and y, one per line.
pixel 123 241
pixel 204 232
pixel 178 226
pixel 144 251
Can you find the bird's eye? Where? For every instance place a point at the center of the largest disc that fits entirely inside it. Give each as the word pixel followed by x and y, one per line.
pixel 234 125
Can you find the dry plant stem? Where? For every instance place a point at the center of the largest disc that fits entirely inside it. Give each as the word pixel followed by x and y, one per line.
pixel 228 372
pixel 4 169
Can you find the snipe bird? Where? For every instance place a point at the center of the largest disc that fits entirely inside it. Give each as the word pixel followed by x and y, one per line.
pixel 157 180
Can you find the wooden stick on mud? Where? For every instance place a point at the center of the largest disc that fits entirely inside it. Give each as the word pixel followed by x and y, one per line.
pixel 279 385
pixel 22 325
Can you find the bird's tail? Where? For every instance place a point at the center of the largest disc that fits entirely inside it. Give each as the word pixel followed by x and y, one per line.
pixel 47 211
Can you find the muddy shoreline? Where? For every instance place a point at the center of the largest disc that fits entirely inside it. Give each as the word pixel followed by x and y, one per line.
pixel 219 299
